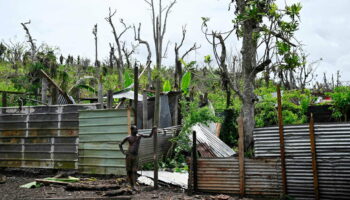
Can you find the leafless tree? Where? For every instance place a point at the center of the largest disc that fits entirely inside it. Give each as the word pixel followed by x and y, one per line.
pixel 111 55
pixel 128 53
pixel 98 70
pixel 94 32
pixel 117 38
pixel 137 37
pixel 31 41
pixel 159 29
pixel 178 58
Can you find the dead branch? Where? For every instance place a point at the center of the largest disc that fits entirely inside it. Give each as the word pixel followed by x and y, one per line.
pixel 166 16
pixel 82 186
pixel 221 60
pixel 30 39
pixel 137 37
pixel 117 36
pixel 193 48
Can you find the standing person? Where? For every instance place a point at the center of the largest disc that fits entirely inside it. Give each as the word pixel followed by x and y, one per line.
pixel 132 153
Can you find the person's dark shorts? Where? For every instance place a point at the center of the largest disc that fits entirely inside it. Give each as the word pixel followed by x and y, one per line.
pixel 131 162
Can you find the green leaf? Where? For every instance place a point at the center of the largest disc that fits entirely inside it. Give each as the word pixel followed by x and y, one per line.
pixel 127 79
pixel 186 81
pixel 207 59
pixel 33 184
pixel 283 47
pixel 167 86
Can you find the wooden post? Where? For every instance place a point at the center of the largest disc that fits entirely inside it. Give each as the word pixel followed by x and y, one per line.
pixel 176 113
pixel 144 110
pixel 314 157
pixel 110 99
pixel 129 120
pixel 281 134
pixel 194 161
pixel 155 158
pixel 241 156
pixel 4 99
pixel 44 84
pixel 54 96
pixel 4 102
pixel 136 91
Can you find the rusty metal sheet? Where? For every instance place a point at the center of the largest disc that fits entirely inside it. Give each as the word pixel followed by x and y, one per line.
pixel 222 175
pixel 332 142
pixel 39 137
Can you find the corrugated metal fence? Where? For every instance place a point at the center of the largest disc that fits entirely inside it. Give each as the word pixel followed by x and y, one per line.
pixel 100 133
pixel 333 158
pixel 40 136
pixel 221 175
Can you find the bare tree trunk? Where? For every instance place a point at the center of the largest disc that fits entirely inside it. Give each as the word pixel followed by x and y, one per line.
pixel 44 88
pixel 248 50
pixel 100 92
pixel 30 40
pixel 149 56
pixel 95 34
pixel 119 60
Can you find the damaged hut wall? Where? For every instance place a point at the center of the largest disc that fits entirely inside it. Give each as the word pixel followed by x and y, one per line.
pixel 333 158
pixel 164 144
pixel 100 132
pixel 40 136
pixel 221 175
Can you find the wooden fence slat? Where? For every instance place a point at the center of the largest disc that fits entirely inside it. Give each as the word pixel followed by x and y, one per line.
pixel 241 156
pixel 314 157
pixel 281 134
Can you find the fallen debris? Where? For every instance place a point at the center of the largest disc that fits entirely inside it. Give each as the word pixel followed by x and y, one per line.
pixel 122 191
pixel 209 145
pixel 47 181
pixel 220 197
pixel 2 179
pixel 33 184
pixel 172 178
pixel 84 186
pixel 145 181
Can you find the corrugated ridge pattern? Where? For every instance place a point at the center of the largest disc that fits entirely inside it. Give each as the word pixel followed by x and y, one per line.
pixel 40 136
pixel 221 175
pixel 333 158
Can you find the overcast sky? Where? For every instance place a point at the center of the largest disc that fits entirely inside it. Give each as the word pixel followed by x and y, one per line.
pixel 68 24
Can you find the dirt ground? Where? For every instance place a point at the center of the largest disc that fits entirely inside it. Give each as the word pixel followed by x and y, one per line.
pixel 10 190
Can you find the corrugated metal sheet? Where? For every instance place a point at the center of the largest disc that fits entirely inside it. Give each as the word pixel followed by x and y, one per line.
pixel 333 158
pixel 221 175
pixel 164 143
pixel 100 132
pixel 209 144
pixel 40 136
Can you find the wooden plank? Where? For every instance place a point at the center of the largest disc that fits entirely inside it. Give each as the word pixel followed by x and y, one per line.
pixel 155 157
pixel 129 121
pixel 110 99
pixel 194 160
pixel 136 92
pixel 64 94
pixel 4 99
pixel 241 156
pixel 314 157
pixel 144 111
pixel 281 135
